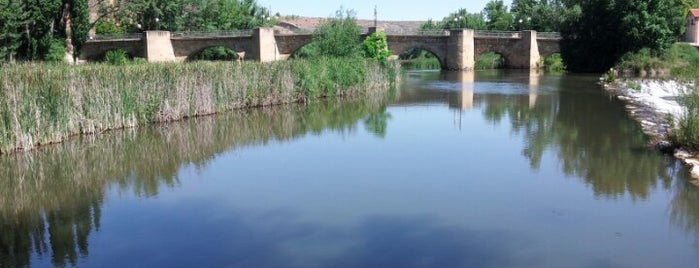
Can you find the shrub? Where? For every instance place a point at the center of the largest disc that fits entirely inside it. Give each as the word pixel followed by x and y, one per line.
pixel 56 51
pixel 490 60
pixel 554 63
pixel 117 57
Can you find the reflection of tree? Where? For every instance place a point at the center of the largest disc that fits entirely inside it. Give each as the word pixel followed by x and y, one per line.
pixel 50 200
pixel 591 135
pixel 377 122
pixel 684 208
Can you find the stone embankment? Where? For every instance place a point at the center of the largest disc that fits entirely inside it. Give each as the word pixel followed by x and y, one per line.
pixel 655 105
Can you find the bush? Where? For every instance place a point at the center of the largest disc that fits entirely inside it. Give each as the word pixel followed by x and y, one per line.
pixel 56 51
pixel 490 60
pixel 218 53
pixel 687 133
pixel 117 57
pixel 554 63
pixel 106 27
pixel 376 47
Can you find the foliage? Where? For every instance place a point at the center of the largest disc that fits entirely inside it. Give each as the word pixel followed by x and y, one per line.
pixel 339 36
pixel 188 15
pixel 117 57
pixel 12 18
pixel 218 53
pixel 681 59
pixel 687 134
pixel 539 15
pixel 498 17
pixel 376 47
pixel 609 30
pixel 108 28
pixel 45 103
pixel 56 51
pixel 554 63
pixel 80 24
pixel 421 63
pixel 490 60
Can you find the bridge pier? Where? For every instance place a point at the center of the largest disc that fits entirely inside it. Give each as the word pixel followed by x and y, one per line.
pixel 159 47
pixel 266 45
pixel 460 50
pixel 530 57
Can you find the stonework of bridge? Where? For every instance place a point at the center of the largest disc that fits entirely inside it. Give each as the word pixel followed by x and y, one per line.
pixel 455 49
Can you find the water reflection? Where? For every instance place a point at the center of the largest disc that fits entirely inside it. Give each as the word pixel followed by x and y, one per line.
pixel 51 200
pixel 569 115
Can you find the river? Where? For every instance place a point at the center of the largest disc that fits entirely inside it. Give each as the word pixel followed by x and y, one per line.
pixel 453 169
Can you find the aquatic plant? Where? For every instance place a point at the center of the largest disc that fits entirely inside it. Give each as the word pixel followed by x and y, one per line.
pixel 47 103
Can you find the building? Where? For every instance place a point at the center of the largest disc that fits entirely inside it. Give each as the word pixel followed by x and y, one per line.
pixel 692 35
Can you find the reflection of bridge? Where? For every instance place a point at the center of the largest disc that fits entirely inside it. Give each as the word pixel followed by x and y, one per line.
pixel 455 49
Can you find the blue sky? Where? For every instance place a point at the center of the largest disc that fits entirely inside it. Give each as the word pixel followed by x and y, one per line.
pixel 387 9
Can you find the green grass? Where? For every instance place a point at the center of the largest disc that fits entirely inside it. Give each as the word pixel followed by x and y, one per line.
pixel 422 63
pixel 681 60
pixel 47 103
pixel 490 60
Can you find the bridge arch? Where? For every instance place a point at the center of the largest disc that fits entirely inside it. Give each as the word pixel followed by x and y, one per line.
pixel 433 44
pixel 134 48
pixel 441 59
pixel 239 54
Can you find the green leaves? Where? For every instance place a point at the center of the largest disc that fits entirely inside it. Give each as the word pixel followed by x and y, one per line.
pixel 608 30
pixel 339 37
pixel 376 47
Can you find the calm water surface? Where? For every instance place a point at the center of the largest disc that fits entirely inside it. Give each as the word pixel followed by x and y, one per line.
pixel 484 169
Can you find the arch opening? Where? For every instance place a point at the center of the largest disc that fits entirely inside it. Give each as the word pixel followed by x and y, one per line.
pixel 307 51
pixel 553 63
pixel 217 53
pixel 490 60
pixel 420 59
pixel 114 56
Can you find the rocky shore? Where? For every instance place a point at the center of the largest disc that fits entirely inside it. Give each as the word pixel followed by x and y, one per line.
pixel 654 104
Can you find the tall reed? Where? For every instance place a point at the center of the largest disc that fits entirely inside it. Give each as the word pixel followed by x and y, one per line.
pixel 46 103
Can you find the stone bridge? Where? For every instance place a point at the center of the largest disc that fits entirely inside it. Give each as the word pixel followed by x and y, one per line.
pixel 455 49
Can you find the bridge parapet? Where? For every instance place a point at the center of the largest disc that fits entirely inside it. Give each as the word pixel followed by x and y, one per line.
pixel 549 35
pixel 130 36
pixel 212 34
pixel 499 34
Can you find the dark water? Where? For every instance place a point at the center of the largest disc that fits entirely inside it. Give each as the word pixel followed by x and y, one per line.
pixel 454 170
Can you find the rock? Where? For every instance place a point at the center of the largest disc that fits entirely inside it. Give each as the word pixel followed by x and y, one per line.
pixel 694 172
pixel 682 154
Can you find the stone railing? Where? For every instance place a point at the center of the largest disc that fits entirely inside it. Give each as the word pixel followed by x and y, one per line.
pixel 130 36
pixel 548 35
pixel 212 34
pixel 498 34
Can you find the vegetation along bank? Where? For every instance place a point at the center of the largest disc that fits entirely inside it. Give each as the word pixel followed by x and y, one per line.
pixel 46 103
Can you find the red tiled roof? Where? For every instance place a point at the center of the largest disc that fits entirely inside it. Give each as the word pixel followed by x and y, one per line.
pixel 694 12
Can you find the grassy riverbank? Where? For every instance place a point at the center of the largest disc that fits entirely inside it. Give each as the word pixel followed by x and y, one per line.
pixel 43 103
pixel 679 63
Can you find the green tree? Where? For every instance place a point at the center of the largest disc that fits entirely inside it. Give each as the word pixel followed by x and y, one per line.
pixel 80 24
pixel 498 18
pixel 608 30
pixel 12 20
pixel 339 36
pixel 539 15
pixel 462 19
pixel 376 47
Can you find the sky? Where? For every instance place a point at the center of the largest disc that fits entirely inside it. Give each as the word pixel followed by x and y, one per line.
pixel 386 9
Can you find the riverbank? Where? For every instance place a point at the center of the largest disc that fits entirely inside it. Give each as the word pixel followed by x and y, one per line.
pixel 655 105
pixel 44 104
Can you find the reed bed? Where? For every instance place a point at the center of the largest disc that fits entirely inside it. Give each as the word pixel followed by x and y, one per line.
pixel 46 103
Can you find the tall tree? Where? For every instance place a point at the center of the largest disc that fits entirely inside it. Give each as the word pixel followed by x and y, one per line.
pixel 339 37
pixel 498 18
pixel 12 20
pixel 600 31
